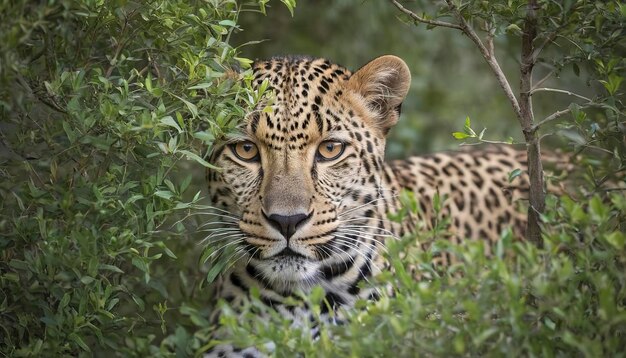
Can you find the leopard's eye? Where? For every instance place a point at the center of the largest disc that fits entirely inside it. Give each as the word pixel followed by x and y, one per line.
pixel 330 150
pixel 246 151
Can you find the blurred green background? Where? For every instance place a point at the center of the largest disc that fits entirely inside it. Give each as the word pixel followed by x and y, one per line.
pixel 450 78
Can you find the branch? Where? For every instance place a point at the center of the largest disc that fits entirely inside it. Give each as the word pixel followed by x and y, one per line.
pixel 491 60
pixel 486 51
pixel 423 20
pixel 551 117
pixel 545 89
pixel 542 80
pixel 540 48
pixel 490 47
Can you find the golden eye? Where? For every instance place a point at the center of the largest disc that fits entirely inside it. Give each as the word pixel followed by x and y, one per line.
pixel 330 150
pixel 246 151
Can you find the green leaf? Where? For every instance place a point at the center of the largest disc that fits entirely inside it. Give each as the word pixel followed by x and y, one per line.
pixel 514 174
pixel 617 239
pixel 165 194
pixel 78 340
pixel 86 280
pixel 599 211
pixel 460 135
pixel 169 121
pixel 139 302
pixel 148 82
pixel 290 4
pixel 228 23
pixel 514 30
pixel 215 270
pixel 192 107
pixel 482 133
pixel 201 86
pixel 140 263
pixel 206 137
pixel 576 113
pixel 112 268
pixel 64 301
pixel 19 264
pixel 467 128
pixel 195 157
pixel 71 135
pixel 484 335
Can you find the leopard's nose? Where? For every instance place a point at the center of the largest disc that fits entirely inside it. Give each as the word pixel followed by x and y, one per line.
pixel 287 225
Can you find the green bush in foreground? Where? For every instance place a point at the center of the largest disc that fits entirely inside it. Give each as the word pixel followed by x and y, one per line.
pixel 566 299
pixel 102 102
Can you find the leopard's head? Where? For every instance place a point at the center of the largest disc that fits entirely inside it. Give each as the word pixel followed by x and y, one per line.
pixel 303 182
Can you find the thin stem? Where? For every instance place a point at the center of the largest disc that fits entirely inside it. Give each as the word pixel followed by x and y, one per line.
pixel 569 93
pixel 417 18
pixel 542 80
pixel 491 60
pixel 540 48
pixel 550 118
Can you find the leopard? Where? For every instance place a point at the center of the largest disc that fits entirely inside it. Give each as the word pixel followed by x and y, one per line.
pixel 305 192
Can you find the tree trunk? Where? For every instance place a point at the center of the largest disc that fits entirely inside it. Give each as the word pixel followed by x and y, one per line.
pixel 535 169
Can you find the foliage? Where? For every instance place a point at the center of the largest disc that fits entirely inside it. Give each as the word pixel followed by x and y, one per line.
pixel 103 104
pixel 108 106
pixel 566 299
pixel 585 36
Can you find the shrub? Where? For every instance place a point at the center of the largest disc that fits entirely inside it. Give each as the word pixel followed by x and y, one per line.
pixel 566 299
pixel 104 103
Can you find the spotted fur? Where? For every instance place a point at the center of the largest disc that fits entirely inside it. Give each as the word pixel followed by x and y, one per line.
pixel 300 220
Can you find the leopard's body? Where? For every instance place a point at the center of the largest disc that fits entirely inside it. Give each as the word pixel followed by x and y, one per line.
pixel 307 189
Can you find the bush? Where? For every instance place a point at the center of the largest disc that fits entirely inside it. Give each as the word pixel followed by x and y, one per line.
pixel 566 299
pixel 104 103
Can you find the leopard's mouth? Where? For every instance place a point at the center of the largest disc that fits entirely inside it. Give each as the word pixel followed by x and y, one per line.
pixel 288 253
pixel 290 268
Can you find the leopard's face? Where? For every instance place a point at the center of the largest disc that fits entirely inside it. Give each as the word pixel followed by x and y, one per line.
pixel 303 176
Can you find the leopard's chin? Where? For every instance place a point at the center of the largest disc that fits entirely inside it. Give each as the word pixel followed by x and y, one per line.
pixel 292 271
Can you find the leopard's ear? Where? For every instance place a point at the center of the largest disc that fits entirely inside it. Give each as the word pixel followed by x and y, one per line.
pixel 383 83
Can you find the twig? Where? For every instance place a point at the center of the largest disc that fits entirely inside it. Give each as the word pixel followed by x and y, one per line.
pixel 545 89
pixel 487 141
pixel 613 189
pixel 551 117
pixel 491 60
pixel 490 46
pixel 540 48
pixel 609 176
pixel 417 18
pixel 542 80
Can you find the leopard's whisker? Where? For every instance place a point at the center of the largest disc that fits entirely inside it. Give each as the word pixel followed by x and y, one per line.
pixel 213 242
pixel 361 218
pixel 224 223
pixel 364 205
pixel 385 233
pixel 224 216
pixel 209 207
pixel 252 254
pixel 352 237
pixel 364 236
pixel 346 240
pixel 235 239
pixel 220 231
pixel 375 228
